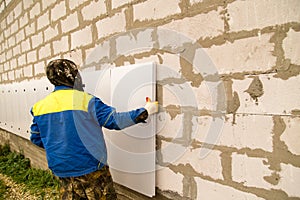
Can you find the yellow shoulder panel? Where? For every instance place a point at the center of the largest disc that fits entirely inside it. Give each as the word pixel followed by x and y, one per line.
pixel 62 100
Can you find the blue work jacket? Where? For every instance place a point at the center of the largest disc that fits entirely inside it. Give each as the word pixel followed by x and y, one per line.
pixel 68 124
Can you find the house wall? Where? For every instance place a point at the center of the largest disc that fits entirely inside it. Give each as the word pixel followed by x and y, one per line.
pixel 228 85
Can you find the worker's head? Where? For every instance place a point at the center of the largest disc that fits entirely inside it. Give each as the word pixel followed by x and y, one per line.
pixel 64 72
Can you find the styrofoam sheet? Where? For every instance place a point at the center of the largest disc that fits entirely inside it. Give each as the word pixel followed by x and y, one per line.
pixel 16 102
pixel 131 152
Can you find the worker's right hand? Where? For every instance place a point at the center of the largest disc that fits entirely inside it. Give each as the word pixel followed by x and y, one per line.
pixel 151 106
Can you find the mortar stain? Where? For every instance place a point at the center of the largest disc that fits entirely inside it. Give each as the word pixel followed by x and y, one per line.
pixel 284 68
pixel 273 178
pixel 289 71
pixel 295 112
pixel 173 111
pixel 189 187
pixel 233 101
pixel 255 89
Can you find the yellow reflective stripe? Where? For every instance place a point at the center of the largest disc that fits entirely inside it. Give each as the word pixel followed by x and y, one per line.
pixel 62 100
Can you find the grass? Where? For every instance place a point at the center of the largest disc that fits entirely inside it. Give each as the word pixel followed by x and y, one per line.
pixel 2 189
pixel 16 166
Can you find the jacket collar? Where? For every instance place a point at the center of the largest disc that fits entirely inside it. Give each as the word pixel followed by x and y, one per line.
pixel 62 87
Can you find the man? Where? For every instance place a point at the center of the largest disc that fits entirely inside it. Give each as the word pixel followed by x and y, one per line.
pixel 68 124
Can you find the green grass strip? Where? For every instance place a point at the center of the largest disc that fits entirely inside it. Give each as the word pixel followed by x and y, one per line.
pixel 16 166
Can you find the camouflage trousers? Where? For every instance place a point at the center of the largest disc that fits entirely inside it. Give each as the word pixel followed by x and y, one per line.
pixel 94 186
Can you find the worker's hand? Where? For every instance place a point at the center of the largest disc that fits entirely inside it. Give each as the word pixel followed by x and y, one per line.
pixel 151 106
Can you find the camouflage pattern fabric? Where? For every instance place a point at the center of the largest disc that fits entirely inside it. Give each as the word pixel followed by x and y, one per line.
pixel 94 186
pixel 64 72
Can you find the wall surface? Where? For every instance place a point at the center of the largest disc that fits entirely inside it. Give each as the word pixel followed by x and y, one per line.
pixel 228 85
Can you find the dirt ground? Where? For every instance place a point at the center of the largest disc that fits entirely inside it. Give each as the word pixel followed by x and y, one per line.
pixel 17 192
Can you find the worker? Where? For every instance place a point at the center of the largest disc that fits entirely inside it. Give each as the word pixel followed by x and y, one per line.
pixel 68 125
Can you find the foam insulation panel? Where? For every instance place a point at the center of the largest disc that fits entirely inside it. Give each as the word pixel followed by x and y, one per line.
pixel 131 152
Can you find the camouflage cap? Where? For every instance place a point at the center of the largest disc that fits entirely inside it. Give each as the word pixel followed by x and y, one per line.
pixel 64 72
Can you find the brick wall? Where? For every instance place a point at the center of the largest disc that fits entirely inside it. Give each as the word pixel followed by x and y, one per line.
pixel 244 144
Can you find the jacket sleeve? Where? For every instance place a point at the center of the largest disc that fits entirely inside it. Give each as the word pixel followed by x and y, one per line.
pixel 35 137
pixel 108 117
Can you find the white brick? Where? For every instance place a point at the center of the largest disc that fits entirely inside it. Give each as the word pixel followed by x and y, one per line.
pixel 1 68
pixel 171 41
pixel 127 44
pixel 31 56
pixel 171 62
pixel 119 3
pixel 3 24
pixel 43 21
pixel 289 180
pixel 37 40
pixel 250 171
pixel 93 10
pixel 14 27
pixel 22 60
pixel 207 190
pixel 203 25
pixel 11 75
pixel 167 180
pixel 28 71
pixel 45 51
pixel 18 73
pixel 291 47
pixel 10 18
pixel 210 165
pixel 291 136
pixel 250 54
pixel 75 3
pixel 35 10
pixel 18 10
pixel 51 32
pixel 29 29
pixel 4 76
pixel 39 68
pixel 204 95
pixel 20 36
pixel 61 45
pixel 75 56
pixel 9 54
pixel 6 66
pixel 12 41
pixel 28 4
pixel 81 37
pixel 1 37
pixel 172 152
pixel 58 11
pixel 70 23
pixel 274 100
pixel 13 63
pixel 155 9
pixel 7 32
pixel 252 14
pixel 94 55
pixel 25 45
pixel 47 3
pixel 241 134
pixel 168 127
pixel 2 57
pixel 2 7
pixel 16 50
pixel 23 20
pixel 111 25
